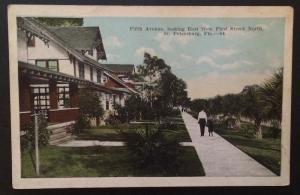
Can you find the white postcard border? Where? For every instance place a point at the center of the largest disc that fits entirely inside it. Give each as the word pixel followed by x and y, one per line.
pixel 148 11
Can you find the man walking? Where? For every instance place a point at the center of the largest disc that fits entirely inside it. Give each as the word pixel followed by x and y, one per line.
pixel 202 119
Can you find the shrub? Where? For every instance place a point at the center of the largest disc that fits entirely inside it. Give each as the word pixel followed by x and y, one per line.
pixel 248 129
pixel 89 104
pixel 113 121
pixel 153 148
pixel 81 123
pixel 28 139
pixel 174 113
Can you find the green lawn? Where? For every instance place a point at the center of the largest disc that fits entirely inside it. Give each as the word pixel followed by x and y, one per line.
pixel 266 151
pixel 112 133
pixel 102 162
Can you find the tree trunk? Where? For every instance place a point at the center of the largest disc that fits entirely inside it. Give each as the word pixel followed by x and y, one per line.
pixel 238 122
pixel 258 129
pixel 97 121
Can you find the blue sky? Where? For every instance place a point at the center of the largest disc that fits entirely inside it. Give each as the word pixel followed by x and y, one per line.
pixel 210 65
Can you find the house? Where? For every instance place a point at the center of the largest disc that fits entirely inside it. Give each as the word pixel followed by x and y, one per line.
pixel 125 72
pixel 54 63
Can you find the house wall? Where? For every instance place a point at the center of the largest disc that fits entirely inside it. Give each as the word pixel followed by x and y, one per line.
pixel 22 46
pixel 66 67
pixel 95 75
pixel 42 51
pixel 87 72
pixel 76 68
pixel 102 99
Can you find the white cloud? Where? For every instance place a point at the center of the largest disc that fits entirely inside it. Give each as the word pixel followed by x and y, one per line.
pixel 186 57
pixel 141 51
pixel 176 65
pixel 112 57
pixel 225 52
pixel 206 60
pixel 247 62
pixel 167 43
pixel 113 41
pixel 211 61
pixel 218 83
pixel 183 40
pixel 228 66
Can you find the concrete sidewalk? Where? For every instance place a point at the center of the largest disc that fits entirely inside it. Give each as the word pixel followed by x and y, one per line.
pixel 88 143
pixel 219 157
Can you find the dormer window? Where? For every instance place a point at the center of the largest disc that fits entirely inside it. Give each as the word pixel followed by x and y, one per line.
pixel 90 52
pixel 104 79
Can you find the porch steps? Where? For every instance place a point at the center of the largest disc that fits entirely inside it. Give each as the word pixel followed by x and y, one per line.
pixel 59 134
pixel 61 140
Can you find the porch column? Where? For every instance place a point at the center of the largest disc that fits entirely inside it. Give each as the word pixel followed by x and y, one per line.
pixel 53 93
pixel 25 94
pixel 74 99
pixel 25 101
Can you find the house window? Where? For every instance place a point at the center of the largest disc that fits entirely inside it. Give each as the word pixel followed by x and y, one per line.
pixel 53 65
pixel 91 73
pixel 63 96
pixel 41 63
pixel 31 41
pixel 107 102
pixel 49 64
pixel 81 70
pixel 99 76
pixel 41 100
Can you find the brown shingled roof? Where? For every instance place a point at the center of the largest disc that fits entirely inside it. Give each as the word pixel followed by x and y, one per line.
pixel 121 68
pixel 81 38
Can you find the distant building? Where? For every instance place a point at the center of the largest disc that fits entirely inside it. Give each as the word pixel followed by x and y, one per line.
pixel 125 72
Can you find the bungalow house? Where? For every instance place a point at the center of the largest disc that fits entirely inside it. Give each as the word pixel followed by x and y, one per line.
pixel 54 63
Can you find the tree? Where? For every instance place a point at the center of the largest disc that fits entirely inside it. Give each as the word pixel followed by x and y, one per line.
pixel 198 104
pixel 60 22
pixel 162 90
pixel 214 105
pixel 253 108
pixel 89 104
pixel 151 72
pixel 172 89
pixel 271 95
pixel 135 109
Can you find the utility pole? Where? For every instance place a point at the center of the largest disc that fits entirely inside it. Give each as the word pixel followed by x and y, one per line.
pixel 36 140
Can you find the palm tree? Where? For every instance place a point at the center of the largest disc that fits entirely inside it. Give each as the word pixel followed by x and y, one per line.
pixel 264 103
pixel 253 108
pixel 271 96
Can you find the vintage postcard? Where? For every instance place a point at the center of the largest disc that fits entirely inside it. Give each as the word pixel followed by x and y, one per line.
pixel 150 96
